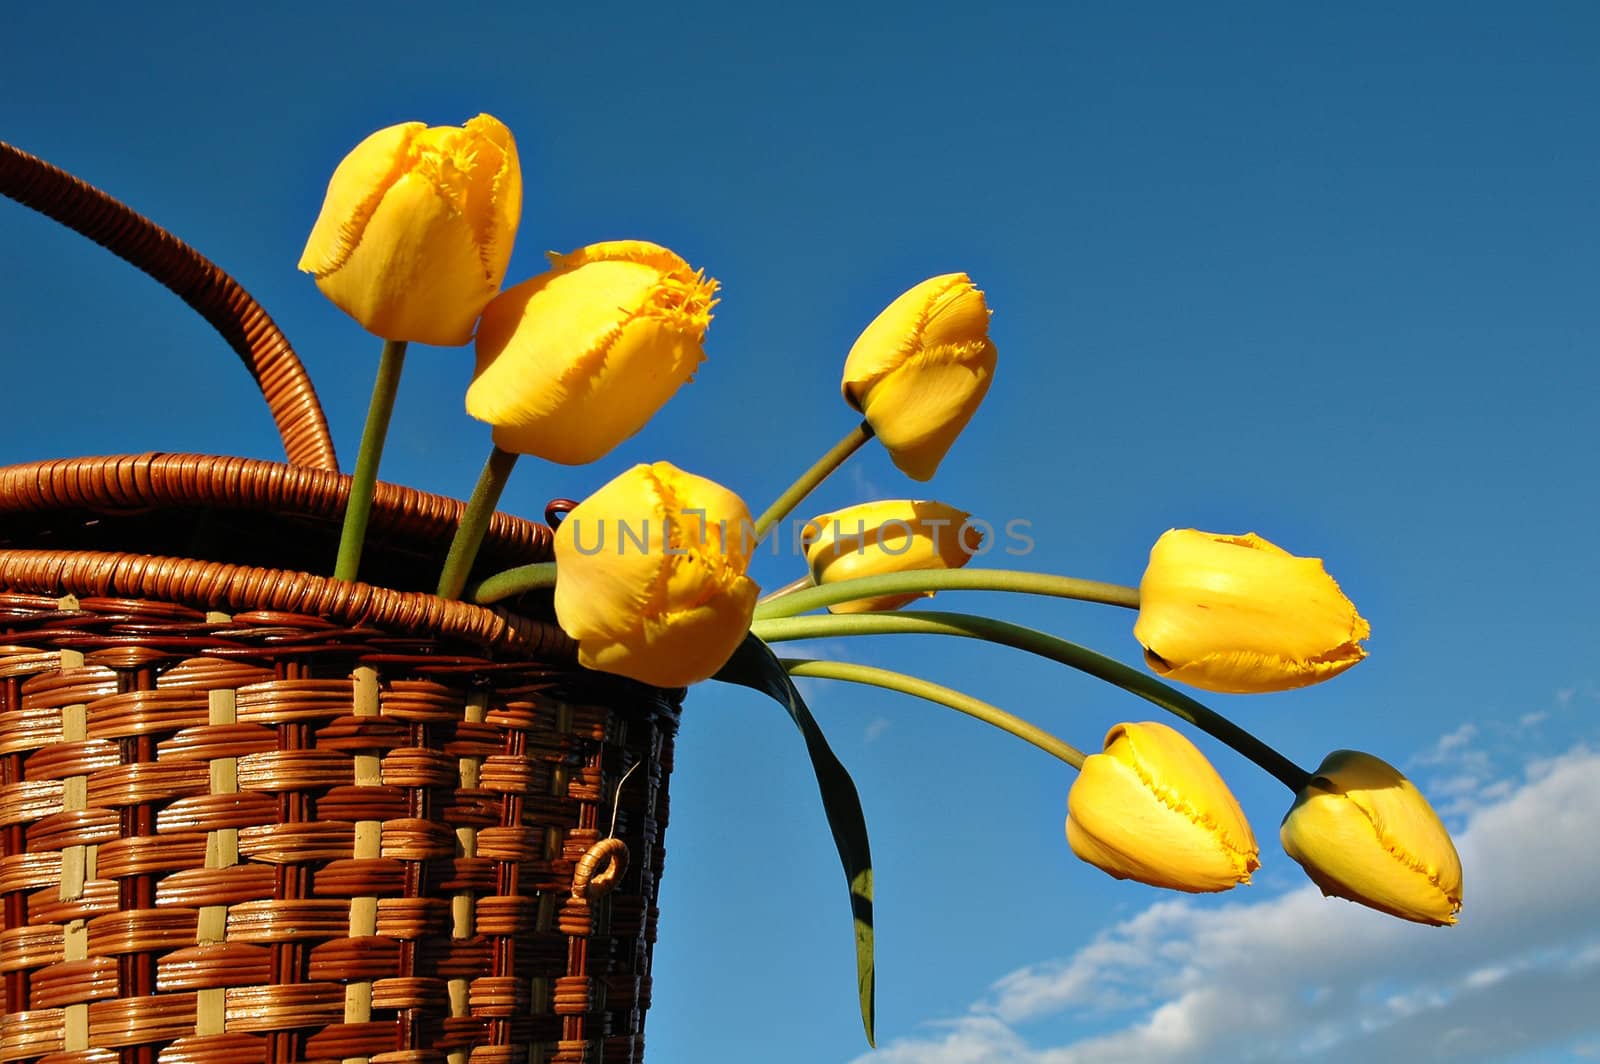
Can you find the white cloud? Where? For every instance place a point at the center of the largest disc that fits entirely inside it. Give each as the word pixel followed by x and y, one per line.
pixel 1461 773
pixel 1486 976
pixel 1450 744
pixel 1300 977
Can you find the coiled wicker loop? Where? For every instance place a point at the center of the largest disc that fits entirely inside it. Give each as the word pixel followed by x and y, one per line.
pixel 195 279
pixel 600 869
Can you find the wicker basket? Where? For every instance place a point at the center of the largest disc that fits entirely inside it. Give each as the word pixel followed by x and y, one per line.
pixel 252 814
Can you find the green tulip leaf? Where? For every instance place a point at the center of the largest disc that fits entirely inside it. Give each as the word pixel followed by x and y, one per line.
pixel 754 665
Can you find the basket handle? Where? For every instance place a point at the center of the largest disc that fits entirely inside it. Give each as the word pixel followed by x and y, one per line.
pixel 195 279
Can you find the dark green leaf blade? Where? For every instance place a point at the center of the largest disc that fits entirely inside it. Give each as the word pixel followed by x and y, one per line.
pixel 754 666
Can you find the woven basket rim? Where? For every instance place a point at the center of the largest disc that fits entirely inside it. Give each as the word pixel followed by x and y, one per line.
pixel 156 480
pixel 237 588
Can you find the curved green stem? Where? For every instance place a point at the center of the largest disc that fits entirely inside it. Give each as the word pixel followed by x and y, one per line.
pixel 812 598
pixel 358 510
pixel 944 696
pixel 509 582
pixel 1049 646
pixel 796 492
pixel 475 522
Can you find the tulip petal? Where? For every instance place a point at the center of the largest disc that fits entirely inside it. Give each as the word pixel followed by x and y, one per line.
pixel 888 536
pixel 1238 614
pixel 477 170
pixel 652 580
pixel 1363 832
pixel 677 647
pixel 429 288
pixel 416 229
pixel 1153 809
pixel 358 185
pixel 920 369
pixel 920 410
pixel 940 311
pixel 578 359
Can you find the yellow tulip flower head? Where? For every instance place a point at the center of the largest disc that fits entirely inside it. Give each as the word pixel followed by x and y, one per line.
pixel 416 229
pixel 919 371
pixel 651 576
pixel 890 536
pixel 1152 809
pixel 1363 832
pixel 574 361
pixel 1240 615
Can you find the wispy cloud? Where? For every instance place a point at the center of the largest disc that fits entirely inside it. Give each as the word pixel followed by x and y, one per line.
pixel 1479 762
pixel 1450 745
pixel 1300 977
pixel 1459 771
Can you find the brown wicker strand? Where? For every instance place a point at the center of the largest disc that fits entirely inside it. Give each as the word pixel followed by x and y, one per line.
pixel 145 481
pixel 215 585
pixel 195 279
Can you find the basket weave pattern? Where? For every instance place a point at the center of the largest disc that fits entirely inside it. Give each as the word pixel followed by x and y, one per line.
pixel 271 837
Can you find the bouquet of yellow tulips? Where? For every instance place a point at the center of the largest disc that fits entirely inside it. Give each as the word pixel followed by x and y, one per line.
pixel 413 242
pixel 650 575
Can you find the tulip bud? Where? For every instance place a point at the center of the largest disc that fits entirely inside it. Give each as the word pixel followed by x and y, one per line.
pixel 1239 615
pixel 574 361
pixel 651 576
pixel 890 536
pixel 919 371
pixel 416 229
pixel 1151 808
pixel 1363 832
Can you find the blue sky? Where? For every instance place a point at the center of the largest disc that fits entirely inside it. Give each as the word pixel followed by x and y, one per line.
pixel 1326 274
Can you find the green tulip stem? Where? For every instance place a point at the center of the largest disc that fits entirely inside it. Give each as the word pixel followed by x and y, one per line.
pixel 795 494
pixel 811 598
pixel 475 522
pixel 358 510
pixel 944 696
pixel 1049 646
pixel 509 582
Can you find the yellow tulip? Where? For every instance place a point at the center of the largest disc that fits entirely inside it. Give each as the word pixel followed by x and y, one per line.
pixel 1239 615
pixel 919 371
pixel 891 536
pixel 416 229
pixel 1151 808
pixel 651 576
pixel 574 361
pixel 1363 832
